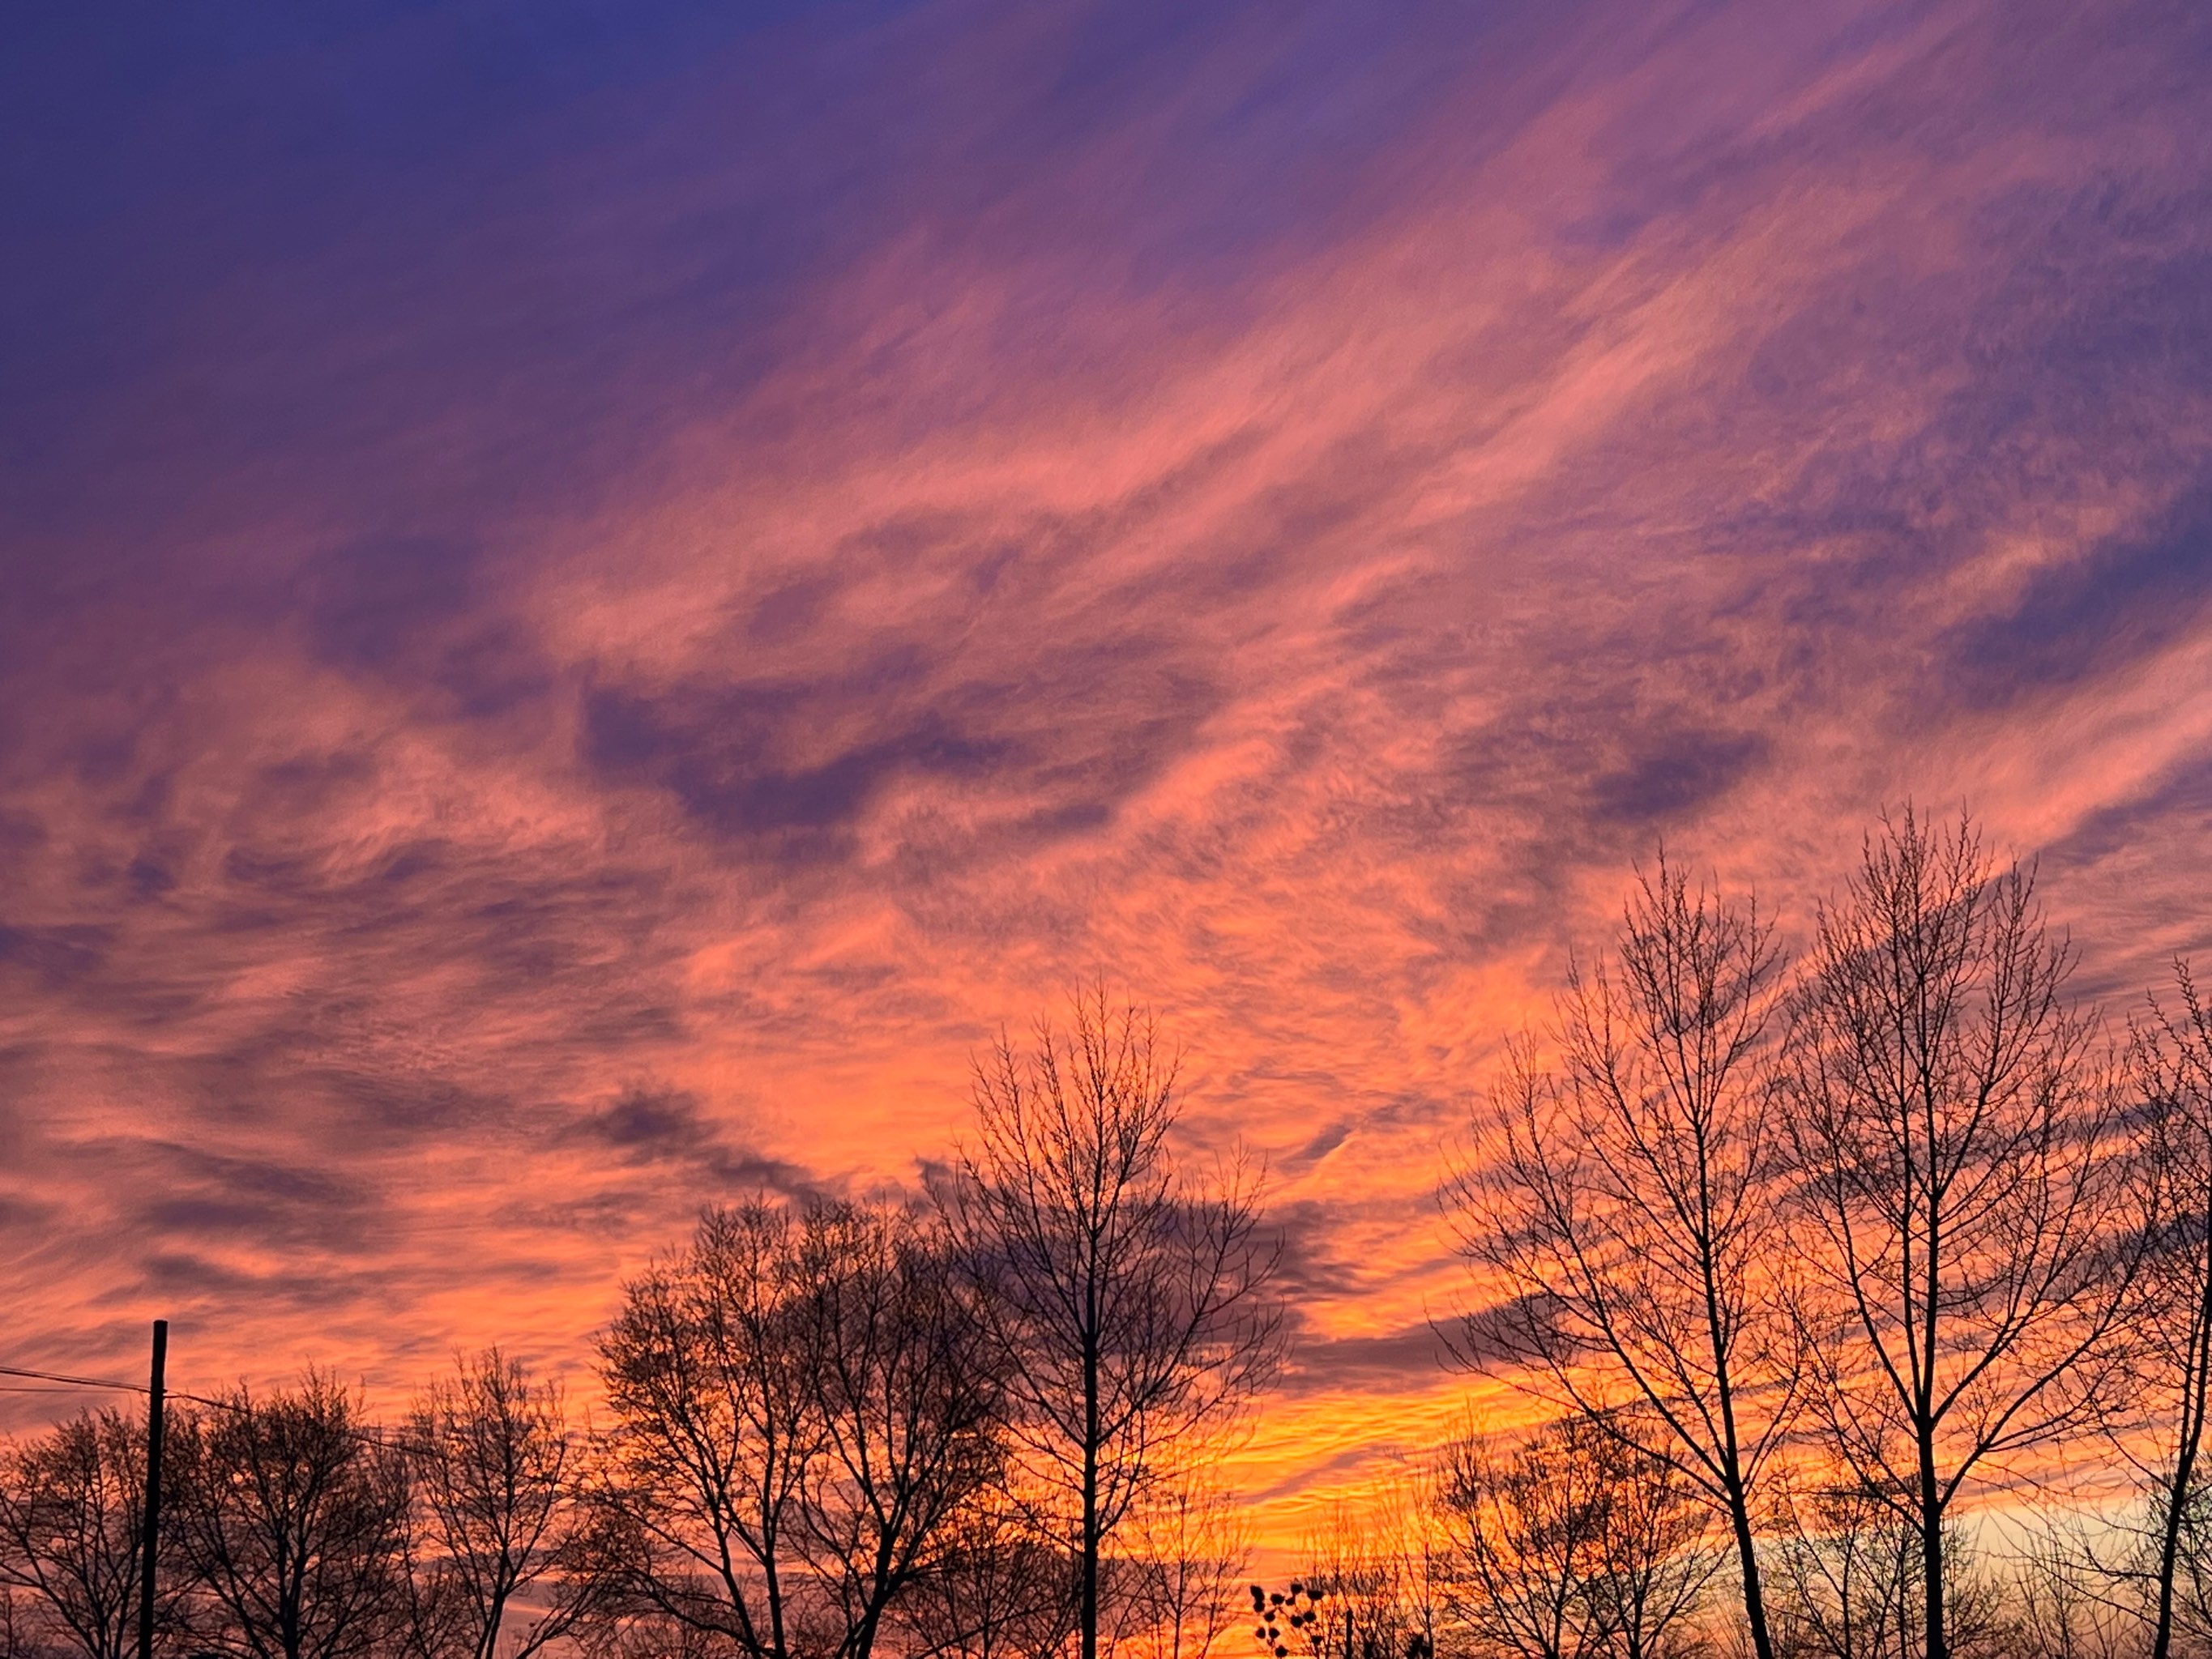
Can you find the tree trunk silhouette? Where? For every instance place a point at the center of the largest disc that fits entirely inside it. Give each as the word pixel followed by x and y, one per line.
pixel 1628 1202
pixel 1129 1304
pixel 1964 1193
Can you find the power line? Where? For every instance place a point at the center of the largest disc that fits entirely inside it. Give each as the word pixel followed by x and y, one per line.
pixel 67 1382
pixel 374 1435
pixel 71 1381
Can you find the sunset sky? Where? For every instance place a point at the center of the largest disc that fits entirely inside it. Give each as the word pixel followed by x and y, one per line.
pixel 595 594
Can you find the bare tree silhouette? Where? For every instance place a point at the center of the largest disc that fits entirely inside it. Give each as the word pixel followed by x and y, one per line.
pixel 1572 1545
pixel 1388 1570
pixel 908 1399
pixel 1184 1551
pixel 1131 1304
pixel 2169 1066
pixel 291 1518
pixel 1954 1128
pixel 1628 1205
pixel 805 1403
pixel 495 1472
pixel 71 1501
pixel 998 1588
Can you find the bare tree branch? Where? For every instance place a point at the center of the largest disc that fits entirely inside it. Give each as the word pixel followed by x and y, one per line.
pixel 1627 1204
pixel 1130 1305
pixel 1962 1180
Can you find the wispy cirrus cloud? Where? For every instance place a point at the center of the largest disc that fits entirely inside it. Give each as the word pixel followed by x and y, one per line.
pixel 598 598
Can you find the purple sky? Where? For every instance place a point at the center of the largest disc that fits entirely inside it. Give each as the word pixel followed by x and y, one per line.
pixel 595 594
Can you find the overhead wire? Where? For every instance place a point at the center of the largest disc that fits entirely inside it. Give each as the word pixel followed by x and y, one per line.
pixel 72 1382
pixel 374 1436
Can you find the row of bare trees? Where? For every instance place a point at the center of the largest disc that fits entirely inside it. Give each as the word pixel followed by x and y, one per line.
pixel 832 1428
pixel 1814 1265
pixel 294 1526
pixel 1562 1542
pixel 1856 1246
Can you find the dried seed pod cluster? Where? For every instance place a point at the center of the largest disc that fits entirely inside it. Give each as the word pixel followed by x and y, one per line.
pixel 1282 1614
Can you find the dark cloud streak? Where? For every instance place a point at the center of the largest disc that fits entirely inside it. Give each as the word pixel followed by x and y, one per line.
pixel 592 595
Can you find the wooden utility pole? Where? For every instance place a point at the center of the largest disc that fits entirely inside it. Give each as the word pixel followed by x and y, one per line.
pixel 148 1546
